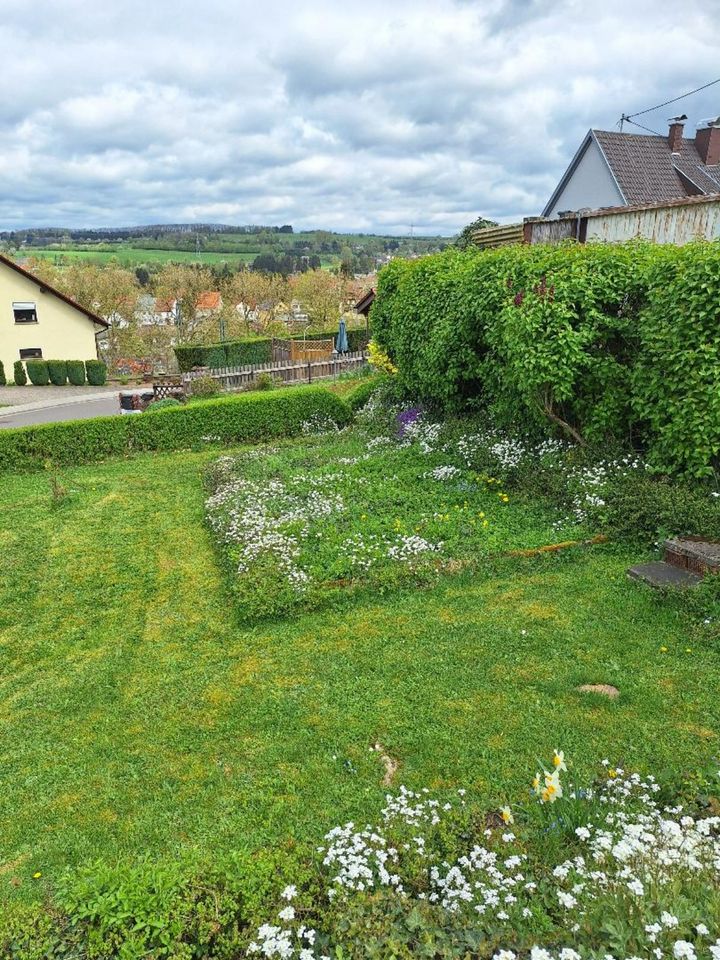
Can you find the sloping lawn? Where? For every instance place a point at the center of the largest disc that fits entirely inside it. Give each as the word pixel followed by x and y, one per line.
pixel 140 716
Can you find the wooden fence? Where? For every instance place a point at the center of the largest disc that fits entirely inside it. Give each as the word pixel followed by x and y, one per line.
pixel 284 371
pixel 301 350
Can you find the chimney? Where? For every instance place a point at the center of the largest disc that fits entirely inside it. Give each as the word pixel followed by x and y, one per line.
pixel 707 141
pixel 675 133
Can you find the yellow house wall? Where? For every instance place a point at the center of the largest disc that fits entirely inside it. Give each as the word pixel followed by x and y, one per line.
pixel 62 332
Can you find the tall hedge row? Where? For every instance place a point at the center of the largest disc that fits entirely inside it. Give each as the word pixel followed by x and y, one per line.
pixel 237 353
pixel 238 419
pixel 594 342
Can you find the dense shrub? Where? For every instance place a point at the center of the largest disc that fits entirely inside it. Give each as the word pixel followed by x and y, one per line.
pixel 162 404
pixel 238 353
pixel 593 342
pixel 205 387
pixel 19 374
pixel 246 418
pixel 38 372
pixel 3 380
pixel 58 372
pixel 76 372
pixel 359 395
pixel 96 373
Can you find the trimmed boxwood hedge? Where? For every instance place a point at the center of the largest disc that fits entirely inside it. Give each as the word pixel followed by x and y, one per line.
pixel 57 370
pixel 247 418
pixel 237 353
pixel 3 381
pixel 38 372
pixel 96 373
pixel 19 374
pixel 76 372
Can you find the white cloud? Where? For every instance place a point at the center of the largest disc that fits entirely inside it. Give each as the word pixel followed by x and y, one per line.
pixel 357 115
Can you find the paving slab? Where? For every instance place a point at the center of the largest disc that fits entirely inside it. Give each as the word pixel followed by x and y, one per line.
pixel 665 575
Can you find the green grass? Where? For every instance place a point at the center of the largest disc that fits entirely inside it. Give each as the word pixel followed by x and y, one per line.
pixel 130 256
pixel 140 716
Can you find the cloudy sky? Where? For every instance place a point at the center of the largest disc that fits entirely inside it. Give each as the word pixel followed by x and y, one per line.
pixel 378 114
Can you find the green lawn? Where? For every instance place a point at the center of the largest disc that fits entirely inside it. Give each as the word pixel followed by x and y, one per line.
pixel 141 717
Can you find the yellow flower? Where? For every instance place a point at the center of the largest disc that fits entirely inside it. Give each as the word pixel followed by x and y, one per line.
pixel 37 875
pixel 612 773
pixel 363 516
pixel 506 815
pixel 663 649
pixel 553 788
pixel 481 514
pixel 536 783
pixel 485 523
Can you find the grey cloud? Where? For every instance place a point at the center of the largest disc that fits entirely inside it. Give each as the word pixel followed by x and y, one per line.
pixel 361 115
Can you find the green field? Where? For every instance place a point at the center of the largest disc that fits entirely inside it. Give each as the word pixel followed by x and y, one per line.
pixel 143 717
pixel 134 256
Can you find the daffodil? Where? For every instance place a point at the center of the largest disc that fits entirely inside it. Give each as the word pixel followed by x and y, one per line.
pixel 559 760
pixel 536 783
pixel 506 815
pixel 552 790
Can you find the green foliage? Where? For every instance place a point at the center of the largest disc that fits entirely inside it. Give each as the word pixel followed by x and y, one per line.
pixel 239 353
pixel 264 381
pixel 58 372
pixel 244 418
pixel 76 372
pixel 19 374
pixel 676 378
pixel 3 380
pixel 205 387
pixel 466 237
pixel 594 342
pixel 38 372
pixel 163 404
pixel 359 395
pixel 96 372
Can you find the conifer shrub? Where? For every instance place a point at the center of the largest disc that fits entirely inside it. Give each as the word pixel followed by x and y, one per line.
pixel 19 374
pixel 38 372
pixel 57 371
pixel 76 372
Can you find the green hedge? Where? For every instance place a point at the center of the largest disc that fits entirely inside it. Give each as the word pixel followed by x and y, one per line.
pixel 38 372
pixel 247 418
pixel 19 374
pixel 237 353
pixel 96 372
pixel 3 380
pixel 58 372
pixel 598 342
pixel 76 372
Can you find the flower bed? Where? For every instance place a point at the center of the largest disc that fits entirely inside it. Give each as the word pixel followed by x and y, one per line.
pixel 603 871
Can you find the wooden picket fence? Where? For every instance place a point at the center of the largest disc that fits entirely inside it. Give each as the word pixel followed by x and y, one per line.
pixel 284 371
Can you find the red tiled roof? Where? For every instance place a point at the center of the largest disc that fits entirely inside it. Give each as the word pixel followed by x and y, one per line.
pixel 209 300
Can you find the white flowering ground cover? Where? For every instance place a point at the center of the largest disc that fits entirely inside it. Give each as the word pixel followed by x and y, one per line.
pixel 342 510
pixel 607 871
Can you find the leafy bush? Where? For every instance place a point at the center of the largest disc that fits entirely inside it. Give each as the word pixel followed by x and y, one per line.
pixel 3 381
pixel 19 374
pixel 76 372
pixel 163 404
pixel 594 342
pixel 58 372
pixel 359 395
pixel 263 381
pixel 246 418
pixel 38 372
pixel 205 387
pixel 96 373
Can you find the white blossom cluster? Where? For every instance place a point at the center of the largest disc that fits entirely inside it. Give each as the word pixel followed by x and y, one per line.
pixel 637 858
pixel 270 519
pixel 443 473
pixel 319 424
pixel 506 452
pixel 588 484
pixel 363 551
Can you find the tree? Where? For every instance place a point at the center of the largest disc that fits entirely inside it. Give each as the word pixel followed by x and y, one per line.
pixel 321 295
pixel 183 284
pixel 249 301
pixel 465 238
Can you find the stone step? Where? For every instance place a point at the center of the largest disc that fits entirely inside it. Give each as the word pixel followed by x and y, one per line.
pixel 693 553
pixel 665 575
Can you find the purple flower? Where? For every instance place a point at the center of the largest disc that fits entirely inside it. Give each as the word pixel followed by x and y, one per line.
pixel 406 418
pixel 519 297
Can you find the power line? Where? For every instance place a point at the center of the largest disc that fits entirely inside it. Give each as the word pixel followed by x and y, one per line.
pixel 644 128
pixel 666 103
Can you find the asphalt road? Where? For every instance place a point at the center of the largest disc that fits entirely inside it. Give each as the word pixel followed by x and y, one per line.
pixel 81 410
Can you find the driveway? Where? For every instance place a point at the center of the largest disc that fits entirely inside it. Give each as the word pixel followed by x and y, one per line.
pixel 23 406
